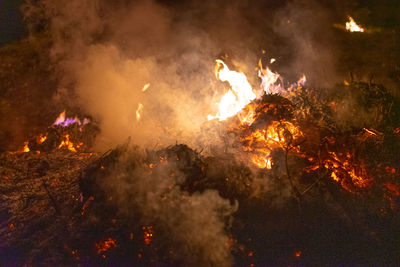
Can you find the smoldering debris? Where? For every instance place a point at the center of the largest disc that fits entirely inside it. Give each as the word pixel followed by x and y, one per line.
pixel 137 206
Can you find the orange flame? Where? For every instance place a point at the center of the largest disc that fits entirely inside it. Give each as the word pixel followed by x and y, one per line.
pixel 67 143
pixel 345 170
pixel 26 147
pixel 261 142
pixel 41 138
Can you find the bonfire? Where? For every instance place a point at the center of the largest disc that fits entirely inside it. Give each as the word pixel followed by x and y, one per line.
pixel 287 179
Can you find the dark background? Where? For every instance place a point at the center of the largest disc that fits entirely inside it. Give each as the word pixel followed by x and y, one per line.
pixel 11 22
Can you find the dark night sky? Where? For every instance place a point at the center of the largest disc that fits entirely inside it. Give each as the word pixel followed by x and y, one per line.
pixel 11 24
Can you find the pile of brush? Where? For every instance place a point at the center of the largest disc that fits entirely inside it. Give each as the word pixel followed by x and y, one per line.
pixel 176 206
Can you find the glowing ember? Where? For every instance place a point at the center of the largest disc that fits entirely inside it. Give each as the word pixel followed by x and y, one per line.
pixel 352 26
pixel 261 142
pixel 105 245
pixel 62 121
pixel 139 112
pixel 393 193
pixel 345 170
pixel 147 234
pixel 86 204
pixel 239 95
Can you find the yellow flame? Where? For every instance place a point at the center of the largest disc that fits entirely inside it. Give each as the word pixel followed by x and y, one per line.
pixel 352 26
pixel 139 112
pixel 26 147
pixel 268 79
pixel 239 95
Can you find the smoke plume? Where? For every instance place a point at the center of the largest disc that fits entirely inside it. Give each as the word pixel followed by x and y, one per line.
pixel 106 51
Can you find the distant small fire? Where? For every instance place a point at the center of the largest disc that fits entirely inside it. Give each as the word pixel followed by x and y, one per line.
pixel 352 26
pixel 66 142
